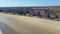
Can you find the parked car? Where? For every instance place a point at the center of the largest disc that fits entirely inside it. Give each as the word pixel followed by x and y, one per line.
pixel 53 16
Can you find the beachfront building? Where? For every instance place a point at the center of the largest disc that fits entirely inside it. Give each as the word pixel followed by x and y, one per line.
pixel 41 12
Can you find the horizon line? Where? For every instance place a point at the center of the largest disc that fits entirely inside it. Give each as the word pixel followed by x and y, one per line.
pixel 27 6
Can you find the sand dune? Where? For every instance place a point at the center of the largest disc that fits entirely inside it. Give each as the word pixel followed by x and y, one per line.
pixel 31 25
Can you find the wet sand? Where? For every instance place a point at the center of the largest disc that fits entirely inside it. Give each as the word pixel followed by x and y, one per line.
pixel 5 29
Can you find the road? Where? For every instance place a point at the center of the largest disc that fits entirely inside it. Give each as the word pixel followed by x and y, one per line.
pixel 15 24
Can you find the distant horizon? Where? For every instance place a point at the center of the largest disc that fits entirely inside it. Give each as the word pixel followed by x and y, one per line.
pixel 32 6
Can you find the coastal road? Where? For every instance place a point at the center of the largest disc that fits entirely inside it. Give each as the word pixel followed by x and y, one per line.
pixel 15 24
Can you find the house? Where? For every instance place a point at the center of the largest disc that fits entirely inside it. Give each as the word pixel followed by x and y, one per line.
pixel 41 12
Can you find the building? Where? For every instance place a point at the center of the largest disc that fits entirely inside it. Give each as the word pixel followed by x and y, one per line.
pixel 41 12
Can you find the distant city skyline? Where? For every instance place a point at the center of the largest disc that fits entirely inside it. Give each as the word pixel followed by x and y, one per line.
pixel 27 3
